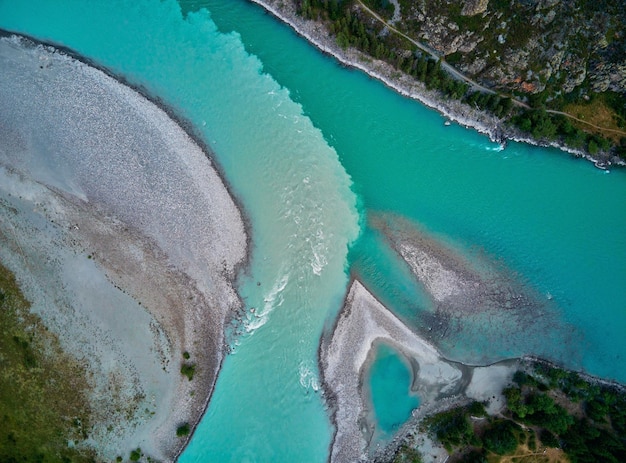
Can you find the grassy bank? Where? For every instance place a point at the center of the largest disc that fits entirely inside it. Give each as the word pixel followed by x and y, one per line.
pixel 44 413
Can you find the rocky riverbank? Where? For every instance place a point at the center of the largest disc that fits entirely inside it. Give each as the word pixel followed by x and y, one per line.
pixel 495 128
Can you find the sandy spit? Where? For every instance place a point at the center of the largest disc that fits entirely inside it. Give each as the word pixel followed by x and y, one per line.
pixel 124 238
pixel 454 110
pixel 476 306
pixel 440 384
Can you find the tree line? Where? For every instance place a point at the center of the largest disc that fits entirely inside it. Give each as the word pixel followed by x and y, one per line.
pixel 537 413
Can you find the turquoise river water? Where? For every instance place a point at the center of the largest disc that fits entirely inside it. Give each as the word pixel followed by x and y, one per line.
pixel 312 150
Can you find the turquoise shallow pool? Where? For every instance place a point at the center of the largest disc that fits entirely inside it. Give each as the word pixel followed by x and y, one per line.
pixel 389 381
pixel 312 150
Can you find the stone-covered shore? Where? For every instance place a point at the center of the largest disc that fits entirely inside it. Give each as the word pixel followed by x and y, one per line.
pixel 124 239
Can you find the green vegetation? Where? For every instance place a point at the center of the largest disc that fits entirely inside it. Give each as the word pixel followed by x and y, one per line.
pixel 188 370
pixel 502 437
pixel 453 428
pixel 135 455
pixel 183 430
pixel 353 27
pixel 551 414
pixel 43 391
pixel 384 7
pixel 538 409
pixel 407 454
pixel 186 355
pixel 607 111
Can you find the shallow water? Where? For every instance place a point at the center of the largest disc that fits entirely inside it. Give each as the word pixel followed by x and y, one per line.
pixel 305 144
pixel 389 379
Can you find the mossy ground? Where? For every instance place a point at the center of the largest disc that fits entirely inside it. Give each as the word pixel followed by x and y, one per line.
pixel 43 391
pixel 598 113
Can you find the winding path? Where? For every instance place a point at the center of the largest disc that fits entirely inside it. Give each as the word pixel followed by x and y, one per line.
pixel 552 111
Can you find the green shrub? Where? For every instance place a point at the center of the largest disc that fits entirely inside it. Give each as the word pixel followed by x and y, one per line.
pixel 548 439
pixel 183 430
pixel 452 428
pixel 584 442
pixel 475 456
pixel 188 370
pixel 477 409
pixel 407 454
pixel 135 455
pixel 597 410
pixel 501 437
pixel 522 379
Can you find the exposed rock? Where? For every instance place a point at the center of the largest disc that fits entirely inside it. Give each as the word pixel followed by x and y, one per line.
pixel 543 4
pixel 472 7
pixel 575 72
pixel 446 39
pixel 564 45
pixel 609 76
pixel 542 19
pixel 397 15
pixel 475 67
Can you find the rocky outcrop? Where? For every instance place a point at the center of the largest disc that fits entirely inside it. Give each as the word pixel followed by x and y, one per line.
pixel 528 46
pixel 472 7
pixel 609 76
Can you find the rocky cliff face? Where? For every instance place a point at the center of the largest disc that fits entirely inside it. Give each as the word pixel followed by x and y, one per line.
pixel 526 46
